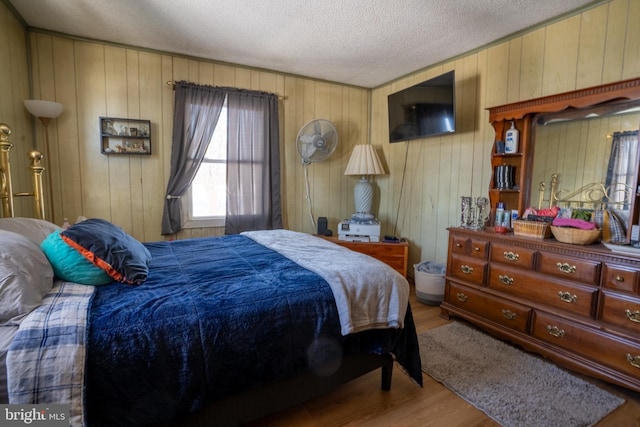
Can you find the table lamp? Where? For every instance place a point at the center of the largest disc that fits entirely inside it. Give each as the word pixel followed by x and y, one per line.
pixel 364 161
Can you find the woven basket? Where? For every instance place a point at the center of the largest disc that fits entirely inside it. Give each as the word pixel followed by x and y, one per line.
pixel 535 229
pixel 575 236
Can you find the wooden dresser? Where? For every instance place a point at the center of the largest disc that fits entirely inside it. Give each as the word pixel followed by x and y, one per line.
pixel 576 305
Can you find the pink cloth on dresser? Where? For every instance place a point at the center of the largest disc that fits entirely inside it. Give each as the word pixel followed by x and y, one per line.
pixel 574 222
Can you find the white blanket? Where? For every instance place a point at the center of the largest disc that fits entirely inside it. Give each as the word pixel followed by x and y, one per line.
pixel 369 294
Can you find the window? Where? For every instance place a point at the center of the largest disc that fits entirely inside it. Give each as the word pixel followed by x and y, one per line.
pixel 252 128
pixel 207 198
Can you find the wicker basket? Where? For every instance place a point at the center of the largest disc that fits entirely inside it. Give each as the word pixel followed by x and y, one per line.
pixel 575 236
pixel 535 229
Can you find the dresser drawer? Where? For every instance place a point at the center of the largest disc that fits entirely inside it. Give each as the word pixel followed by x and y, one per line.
pixel 475 248
pixel 478 248
pixel 392 254
pixel 543 289
pixel 468 269
pixel 395 255
pixel 619 278
pixel 621 311
pixel 580 270
pixel 458 245
pixel 520 257
pixel 619 354
pixel 506 313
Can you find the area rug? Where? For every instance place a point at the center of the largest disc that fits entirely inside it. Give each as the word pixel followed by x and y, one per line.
pixel 512 387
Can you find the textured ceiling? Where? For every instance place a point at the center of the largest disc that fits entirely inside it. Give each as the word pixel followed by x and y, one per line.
pixel 360 42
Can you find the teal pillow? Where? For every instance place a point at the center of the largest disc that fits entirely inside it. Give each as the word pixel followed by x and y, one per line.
pixel 69 265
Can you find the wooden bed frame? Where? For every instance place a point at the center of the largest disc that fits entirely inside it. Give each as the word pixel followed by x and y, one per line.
pixel 256 403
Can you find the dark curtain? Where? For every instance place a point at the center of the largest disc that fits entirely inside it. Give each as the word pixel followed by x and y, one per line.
pixel 621 168
pixel 196 112
pixel 253 162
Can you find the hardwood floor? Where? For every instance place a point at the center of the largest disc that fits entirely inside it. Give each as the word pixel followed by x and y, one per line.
pixel 361 402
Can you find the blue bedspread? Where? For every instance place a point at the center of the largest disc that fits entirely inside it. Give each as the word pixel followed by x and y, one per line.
pixel 215 316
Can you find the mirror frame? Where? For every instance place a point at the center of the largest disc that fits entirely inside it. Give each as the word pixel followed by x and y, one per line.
pixel 524 113
pixel 587 186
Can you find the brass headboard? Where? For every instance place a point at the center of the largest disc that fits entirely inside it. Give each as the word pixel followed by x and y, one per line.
pixel 593 196
pixel 6 189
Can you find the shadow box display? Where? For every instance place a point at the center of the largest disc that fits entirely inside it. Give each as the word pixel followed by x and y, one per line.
pixel 125 136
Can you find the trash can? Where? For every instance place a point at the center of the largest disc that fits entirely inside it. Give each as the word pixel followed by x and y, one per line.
pixel 429 279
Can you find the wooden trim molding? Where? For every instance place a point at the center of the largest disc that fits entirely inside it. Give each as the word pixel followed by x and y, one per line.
pixel 623 90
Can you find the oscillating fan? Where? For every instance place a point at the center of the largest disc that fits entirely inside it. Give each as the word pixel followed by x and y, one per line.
pixel 317 140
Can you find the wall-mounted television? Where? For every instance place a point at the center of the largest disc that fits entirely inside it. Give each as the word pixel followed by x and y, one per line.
pixel 424 110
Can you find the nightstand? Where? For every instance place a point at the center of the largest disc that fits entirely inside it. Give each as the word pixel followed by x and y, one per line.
pixel 395 255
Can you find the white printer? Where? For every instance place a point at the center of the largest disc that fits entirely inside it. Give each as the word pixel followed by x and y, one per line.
pixel 359 228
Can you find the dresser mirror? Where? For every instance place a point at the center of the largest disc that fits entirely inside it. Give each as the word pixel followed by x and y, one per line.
pixel 587 159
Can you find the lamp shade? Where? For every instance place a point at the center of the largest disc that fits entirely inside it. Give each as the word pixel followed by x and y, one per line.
pixel 47 109
pixel 364 161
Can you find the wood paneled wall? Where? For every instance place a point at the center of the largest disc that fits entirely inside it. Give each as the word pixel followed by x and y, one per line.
pixel 420 197
pixel 96 79
pixel 14 89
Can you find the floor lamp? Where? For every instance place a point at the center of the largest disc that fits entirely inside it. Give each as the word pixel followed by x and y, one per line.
pixel 45 111
pixel 364 161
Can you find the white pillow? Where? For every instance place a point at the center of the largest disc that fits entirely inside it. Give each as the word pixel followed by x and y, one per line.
pixel 25 277
pixel 31 228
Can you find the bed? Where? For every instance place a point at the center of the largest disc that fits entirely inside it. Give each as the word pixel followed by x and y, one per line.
pixel 221 331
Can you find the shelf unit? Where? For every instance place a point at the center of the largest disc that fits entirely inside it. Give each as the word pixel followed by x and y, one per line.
pixel 120 136
pixel 523 114
pixel 517 196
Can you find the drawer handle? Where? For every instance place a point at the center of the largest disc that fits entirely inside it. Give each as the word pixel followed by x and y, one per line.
pixel 634 316
pixel 508 314
pixel 477 249
pixel 462 297
pixel 505 280
pixel 555 331
pixel 619 279
pixel 458 245
pixel 633 360
pixel 510 256
pixel 567 297
pixel 566 268
pixel 466 269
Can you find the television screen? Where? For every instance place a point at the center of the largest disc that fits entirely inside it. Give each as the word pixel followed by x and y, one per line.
pixel 426 109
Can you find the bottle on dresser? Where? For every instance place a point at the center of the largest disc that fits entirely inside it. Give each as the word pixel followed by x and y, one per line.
pixel 500 218
pixel 511 140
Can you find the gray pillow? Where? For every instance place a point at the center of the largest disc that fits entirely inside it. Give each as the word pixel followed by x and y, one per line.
pixel 31 228
pixel 25 277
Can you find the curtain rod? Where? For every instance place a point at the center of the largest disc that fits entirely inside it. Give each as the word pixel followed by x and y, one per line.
pixel 280 97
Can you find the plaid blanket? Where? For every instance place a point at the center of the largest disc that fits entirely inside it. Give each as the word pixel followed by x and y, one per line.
pixel 46 360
